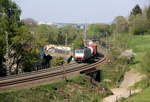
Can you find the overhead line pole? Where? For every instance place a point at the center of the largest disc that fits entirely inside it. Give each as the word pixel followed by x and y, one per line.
pixel 64 69
pixel 85 34
pixel 66 40
pixel 7 54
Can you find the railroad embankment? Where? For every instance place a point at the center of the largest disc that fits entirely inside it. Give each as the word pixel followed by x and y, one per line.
pixel 141 46
pixel 76 89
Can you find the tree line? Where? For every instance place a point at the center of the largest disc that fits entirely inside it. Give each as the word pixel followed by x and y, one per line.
pixel 21 41
pixel 14 39
pixel 137 23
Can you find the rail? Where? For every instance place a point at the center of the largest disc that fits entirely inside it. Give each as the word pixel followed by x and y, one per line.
pixel 47 73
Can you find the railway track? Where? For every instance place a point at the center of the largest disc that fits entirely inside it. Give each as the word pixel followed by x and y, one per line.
pixel 7 82
pixel 36 72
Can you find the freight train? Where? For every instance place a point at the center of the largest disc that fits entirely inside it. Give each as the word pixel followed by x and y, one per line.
pixel 87 53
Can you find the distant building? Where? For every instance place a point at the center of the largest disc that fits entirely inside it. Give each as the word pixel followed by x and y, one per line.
pixel 81 26
pixel 60 25
pixel 46 23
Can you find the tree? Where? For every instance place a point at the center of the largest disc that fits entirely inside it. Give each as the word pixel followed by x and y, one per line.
pixel 45 34
pixel 78 42
pixel 14 36
pixel 138 24
pixel 96 31
pixel 148 14
pixel 136 10
pixel 139 21
pixel 120 24
pixel 30 23
pixel 67 34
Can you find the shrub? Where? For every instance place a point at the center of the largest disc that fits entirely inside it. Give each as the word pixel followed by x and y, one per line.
pixel 145 64
pixel 138 24
pixel 57 61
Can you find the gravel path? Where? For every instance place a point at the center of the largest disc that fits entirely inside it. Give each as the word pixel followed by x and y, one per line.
pixel 130 79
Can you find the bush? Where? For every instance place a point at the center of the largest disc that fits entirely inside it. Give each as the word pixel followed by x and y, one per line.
pixel 57 61
pixel 138 24
pixel 145 64
pixel 127 56
pixel 78 42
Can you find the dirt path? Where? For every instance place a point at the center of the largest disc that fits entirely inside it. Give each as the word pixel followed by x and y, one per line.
pixel 130 79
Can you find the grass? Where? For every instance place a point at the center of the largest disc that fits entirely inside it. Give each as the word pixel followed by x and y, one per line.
pixel 143 96
pixel 141 84
pixel 140 45
pixel 77 89
pixel 111 76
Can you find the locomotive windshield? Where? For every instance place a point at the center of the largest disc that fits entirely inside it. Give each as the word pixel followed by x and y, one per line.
pixel 79 51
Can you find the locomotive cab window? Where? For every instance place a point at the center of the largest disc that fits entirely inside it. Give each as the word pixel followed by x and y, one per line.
pixel 79 51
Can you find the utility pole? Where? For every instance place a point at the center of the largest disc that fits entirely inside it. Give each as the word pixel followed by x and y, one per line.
pixel 106 41
pixel 85 34
pixel 72 51
pixel 7 54
pixel 66 40
pixel 64 69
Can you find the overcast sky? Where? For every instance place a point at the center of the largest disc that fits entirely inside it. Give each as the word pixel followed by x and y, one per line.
pixel 77 11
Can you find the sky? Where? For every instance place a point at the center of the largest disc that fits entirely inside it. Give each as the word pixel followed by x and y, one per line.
pixel 77 11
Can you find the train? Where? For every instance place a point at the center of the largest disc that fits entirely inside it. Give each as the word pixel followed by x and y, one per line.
pixel 87 53
pixel 57 51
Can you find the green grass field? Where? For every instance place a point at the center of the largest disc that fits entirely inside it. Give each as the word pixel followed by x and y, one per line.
pixel 140 45
pixel 143 96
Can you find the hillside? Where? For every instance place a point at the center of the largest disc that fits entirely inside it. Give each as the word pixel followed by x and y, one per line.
pixel 140 45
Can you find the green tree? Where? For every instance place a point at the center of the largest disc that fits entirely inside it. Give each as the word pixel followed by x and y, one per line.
pixel 67 34
pixel 136 10
pixel 138 21
pixel 148 14
pixel 78 42
pixel 120 24
pixel 43 35
pixel 48 34
pixel 96 31
pixel 30 23
pixel 14 37
pixel 138 24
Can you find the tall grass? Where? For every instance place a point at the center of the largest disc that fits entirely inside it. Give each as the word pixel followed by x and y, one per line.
pixel 77 89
